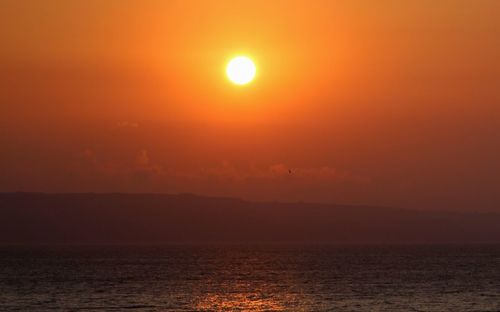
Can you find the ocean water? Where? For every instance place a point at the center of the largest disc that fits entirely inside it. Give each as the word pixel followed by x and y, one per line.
pixel 250 278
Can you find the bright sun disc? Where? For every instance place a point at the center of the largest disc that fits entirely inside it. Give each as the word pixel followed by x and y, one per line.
pixel 241 70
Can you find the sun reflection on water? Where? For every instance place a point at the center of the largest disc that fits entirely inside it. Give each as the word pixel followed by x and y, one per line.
pixel 244 302
pixel 237 279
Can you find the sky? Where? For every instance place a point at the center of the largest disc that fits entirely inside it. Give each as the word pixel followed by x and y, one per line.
pixel 393 103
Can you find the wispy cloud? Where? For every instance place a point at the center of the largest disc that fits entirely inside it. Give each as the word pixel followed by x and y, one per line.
pixel 282 172
pixel 143 172
pixel 144 169
pixel 127 124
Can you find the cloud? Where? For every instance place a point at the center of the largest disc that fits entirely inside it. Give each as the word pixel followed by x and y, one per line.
pixel 144 169
pixel 141 172
pixel 141 169
pixel 282 171
pixel 127 124
pixel 142 159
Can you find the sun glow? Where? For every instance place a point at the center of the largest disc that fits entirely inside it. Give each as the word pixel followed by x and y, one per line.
pixel 241 70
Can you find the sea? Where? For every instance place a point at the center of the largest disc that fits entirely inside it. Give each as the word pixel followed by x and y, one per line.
pixel 250 278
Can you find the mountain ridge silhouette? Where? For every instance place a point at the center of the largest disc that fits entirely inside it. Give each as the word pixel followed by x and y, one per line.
pixel 141 218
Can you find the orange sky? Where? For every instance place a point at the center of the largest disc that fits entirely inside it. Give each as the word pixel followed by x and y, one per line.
pixel 386 102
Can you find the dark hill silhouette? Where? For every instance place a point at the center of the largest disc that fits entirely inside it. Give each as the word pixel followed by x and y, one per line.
pixel 35 218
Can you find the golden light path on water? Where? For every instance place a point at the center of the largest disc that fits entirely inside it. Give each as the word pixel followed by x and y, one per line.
pixel 245 283
pixel 239 302
pixel 252 301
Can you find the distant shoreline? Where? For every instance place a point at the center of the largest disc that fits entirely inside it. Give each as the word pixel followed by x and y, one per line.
pixel 130 219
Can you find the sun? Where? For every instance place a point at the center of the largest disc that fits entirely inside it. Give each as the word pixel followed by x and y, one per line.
pixel 241 70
